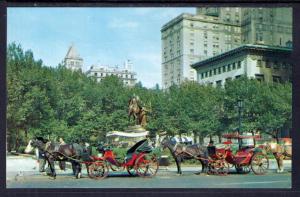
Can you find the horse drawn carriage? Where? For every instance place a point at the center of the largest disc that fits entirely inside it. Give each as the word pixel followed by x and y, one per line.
pixel 138 160
pixel 245 159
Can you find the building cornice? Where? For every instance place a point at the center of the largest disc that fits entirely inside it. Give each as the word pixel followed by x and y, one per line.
pixel 247 47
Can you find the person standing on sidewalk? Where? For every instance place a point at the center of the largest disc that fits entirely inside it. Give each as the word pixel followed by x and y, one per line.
pixel 62 164
pixel 40 155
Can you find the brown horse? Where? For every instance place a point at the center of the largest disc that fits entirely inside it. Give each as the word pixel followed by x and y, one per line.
pixel 181 153
pixel 56 152
pixel 280 152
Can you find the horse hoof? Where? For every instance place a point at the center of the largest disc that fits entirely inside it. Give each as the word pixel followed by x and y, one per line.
pixel 79 175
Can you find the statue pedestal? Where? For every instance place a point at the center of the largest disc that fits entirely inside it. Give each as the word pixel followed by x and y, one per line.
pixel 135 129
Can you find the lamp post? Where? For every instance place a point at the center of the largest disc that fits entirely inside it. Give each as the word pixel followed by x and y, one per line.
pixel 240 105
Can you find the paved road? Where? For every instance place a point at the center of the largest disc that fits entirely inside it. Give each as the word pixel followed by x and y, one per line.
pixel 165 178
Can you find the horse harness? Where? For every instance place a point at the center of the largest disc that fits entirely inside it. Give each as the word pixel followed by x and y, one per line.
pixel 61 155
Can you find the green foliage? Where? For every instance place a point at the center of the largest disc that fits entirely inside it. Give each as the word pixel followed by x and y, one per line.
pixel 57 102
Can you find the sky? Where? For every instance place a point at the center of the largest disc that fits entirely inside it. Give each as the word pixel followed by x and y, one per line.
pixel 102 36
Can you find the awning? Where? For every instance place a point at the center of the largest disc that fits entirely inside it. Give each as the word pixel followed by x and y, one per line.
pixel 125 134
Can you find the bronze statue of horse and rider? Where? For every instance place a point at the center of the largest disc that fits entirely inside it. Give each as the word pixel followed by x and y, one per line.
pixel 137 111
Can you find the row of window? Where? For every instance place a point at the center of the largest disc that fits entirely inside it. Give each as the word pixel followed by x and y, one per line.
pixel 221 69
pixel 112 74
pixel 272 64
pixel 259 77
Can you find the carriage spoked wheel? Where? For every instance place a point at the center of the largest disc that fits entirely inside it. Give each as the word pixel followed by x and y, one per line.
pixel 243 169
pixel 259 163
pixel 219 167
pixel 146 165
pixel 98 170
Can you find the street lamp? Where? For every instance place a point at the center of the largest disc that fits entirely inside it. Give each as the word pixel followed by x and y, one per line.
pixel 240 105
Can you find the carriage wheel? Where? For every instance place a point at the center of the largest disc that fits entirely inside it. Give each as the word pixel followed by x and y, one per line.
pixel 242 169
pixel 130 170
pixel 259 163
pixel 98 170
pixel 146 165
pixel 219 167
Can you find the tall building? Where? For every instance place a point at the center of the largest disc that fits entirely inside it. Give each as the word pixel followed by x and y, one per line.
pixel 190 38
pixel 72 59
pixel 267 26
pixel 125 74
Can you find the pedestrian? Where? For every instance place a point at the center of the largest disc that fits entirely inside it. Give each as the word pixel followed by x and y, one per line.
pixel 62 164
pixel 40 155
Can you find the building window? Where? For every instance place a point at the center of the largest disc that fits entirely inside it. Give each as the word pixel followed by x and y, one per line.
pixel 219 70
pixel 268 64
pixel 259 77
pixel 233 66
pixel 276 79
pixel 215 71
pixel 228 67
pixel 205 52
pixel 205 44
pixel 210 73
pixel 280 41
pixel 258 63
pixel 206 74
pixel 238 76
pixel 239 64
pixel 96 74
pixel 224 69
pixel 202 75
pixel 192 50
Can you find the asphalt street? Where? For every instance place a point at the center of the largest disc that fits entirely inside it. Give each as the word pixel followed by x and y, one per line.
pixel 21 172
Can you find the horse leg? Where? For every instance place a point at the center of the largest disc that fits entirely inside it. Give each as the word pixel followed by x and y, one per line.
pixel 78 170
pixel 87 169
pixel 73 167
pixel 203 166
pixel 279 163
pixel 177 160
pixel 52 168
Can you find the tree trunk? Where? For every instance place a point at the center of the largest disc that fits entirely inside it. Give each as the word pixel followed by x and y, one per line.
pixel 254 140
pixel 201 140
pixel 195 137
pixel 220 138
pixel 277 137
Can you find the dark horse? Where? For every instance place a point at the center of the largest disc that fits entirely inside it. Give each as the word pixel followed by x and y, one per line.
pixel 181 153
pixel 56 152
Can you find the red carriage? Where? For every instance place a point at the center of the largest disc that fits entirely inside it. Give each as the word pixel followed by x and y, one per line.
pixel 245 159
pixel 138 160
